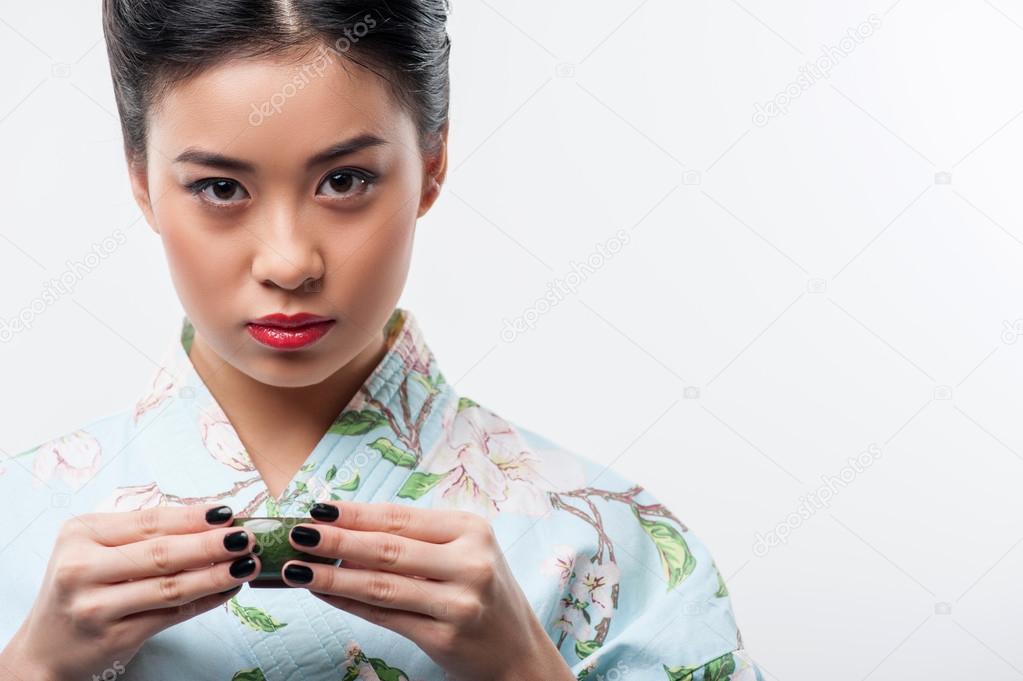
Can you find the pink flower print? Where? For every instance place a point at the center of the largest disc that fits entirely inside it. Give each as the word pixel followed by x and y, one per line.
pixel 560 564
pixel 593 587
pixel 164 385
pixel 133 498
pixel 221 439
pixel 573 622
pixel 74 458
pixel 490 468
pixel 414 356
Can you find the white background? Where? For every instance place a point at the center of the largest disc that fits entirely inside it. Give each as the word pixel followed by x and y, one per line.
pixel 847 275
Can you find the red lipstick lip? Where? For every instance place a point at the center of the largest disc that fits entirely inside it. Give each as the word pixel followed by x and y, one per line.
pixel 283 321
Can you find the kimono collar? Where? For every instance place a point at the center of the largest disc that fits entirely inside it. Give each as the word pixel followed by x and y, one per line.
pixel 196 456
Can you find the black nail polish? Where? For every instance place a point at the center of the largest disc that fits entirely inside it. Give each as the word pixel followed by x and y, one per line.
pixel 306 536
pixel 243 567
pixel 324 512
pixel 298 573
pixel 218 515
pixel 236 541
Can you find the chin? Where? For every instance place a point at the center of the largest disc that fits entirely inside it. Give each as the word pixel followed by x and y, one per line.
pixel 295 369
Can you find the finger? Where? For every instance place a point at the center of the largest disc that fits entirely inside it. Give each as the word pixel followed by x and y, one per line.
pixel 118 528
pixel 383 589
pixel 168 555
pixel 168 591
pixel 408 624
pixel 378 550
pixel 144 625
pixel 425 524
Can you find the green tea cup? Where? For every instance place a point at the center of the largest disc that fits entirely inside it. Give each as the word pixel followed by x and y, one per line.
pixel 274 548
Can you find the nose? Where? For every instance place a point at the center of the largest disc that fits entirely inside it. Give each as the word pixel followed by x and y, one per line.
pixel 287 256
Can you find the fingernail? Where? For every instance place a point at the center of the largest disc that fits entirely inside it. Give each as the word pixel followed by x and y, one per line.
pixel 218 514
pixel 299 574
pixel 236 541
pixel 325 512
pixel 306 536
pixel 243 567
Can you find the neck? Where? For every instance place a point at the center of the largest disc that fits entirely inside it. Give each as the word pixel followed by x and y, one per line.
pixel 279 426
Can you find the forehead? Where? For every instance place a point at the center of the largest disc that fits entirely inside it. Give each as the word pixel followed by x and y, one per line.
pixel 275 108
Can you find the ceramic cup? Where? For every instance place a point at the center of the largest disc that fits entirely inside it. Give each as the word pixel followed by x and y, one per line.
pixel 275 549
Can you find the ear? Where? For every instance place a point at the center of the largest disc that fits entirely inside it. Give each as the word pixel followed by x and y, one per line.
pixel 436 168
pixel 139 177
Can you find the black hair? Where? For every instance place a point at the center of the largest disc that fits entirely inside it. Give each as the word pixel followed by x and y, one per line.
pixel 153 44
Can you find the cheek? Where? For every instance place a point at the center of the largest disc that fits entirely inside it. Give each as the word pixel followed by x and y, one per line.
pixel 201 263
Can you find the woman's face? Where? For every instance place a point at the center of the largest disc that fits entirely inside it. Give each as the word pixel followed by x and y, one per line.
pixel 284 186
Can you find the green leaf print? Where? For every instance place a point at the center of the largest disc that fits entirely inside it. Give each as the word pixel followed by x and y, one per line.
pixel 419 484
pixel 722 589
pixel 719 669
pixel 586 648
pixel 425 382
pixel 387 673
pixel 676 558
pixel 357 422
pixel 187 336
pixel 331 473
pixel 680 673
pixel 273 510
pixel 255 618
pixel 465 403
pixel 249 675
pixel 349 486
pixel 390 452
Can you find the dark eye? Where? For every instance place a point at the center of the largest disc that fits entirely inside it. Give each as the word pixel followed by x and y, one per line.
pixel 345 184
pixel 219 191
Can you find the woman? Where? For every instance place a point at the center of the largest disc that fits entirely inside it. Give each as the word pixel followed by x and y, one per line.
pixel 283 151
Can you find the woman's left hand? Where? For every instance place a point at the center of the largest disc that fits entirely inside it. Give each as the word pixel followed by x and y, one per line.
pixel 437 577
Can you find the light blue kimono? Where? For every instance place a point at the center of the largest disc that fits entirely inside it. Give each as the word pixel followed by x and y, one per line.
pixel 624 589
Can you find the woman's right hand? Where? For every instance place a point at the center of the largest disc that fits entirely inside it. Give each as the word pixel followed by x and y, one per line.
pixel 116 579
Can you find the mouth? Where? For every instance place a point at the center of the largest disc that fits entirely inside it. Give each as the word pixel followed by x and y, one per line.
pixel 284 332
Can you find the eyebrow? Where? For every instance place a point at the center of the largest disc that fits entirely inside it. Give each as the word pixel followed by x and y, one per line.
pixel 343 148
